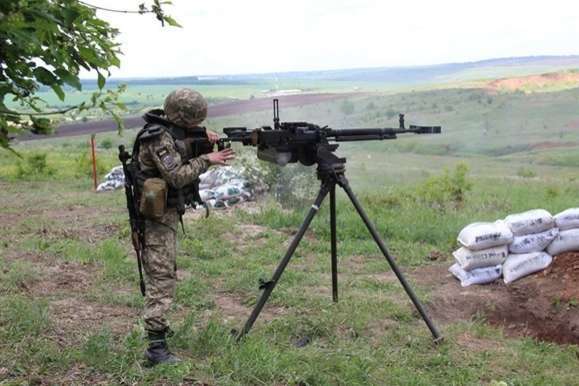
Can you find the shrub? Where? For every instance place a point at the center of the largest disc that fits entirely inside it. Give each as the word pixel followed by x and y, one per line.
pixel 106 143
pixel 34 165
pixel 450 188
pixel 84 165
pixel 347 107
pixel 526 172
pixel 390 113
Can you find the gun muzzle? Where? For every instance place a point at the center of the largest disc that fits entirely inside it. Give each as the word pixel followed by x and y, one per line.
pixel 426 129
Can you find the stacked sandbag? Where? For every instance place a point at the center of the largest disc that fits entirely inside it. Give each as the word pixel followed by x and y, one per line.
pixel 484 249
pixel 568 237
pixel 521 265
pixel 218 187
pixel 226 186
pixel 113 180
pixel 519 245
pixel 533 231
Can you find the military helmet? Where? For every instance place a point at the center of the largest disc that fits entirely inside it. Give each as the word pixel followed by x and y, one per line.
pixel 185 107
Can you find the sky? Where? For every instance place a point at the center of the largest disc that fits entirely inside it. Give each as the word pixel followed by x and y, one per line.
pixel 256 36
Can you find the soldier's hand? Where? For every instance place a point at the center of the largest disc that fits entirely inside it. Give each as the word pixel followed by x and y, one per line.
pixel 221 157
pixel 212 136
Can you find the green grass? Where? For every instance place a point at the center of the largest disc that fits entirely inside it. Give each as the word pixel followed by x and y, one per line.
pixel 372 336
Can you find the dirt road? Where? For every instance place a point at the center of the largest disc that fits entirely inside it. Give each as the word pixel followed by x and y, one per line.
pixel 218 110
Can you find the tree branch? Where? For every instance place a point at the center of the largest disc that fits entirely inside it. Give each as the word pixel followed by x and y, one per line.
pixel 18 114
pixel 140 11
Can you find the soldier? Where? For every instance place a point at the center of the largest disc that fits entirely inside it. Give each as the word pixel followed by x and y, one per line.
pixel 161 152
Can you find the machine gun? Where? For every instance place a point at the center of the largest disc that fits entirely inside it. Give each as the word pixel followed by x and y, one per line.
pixel 291 142
pixel 309 144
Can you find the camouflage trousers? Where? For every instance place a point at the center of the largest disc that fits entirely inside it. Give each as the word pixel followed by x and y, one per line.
pixel 159 266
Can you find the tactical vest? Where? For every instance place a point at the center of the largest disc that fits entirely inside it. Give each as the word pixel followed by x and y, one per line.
pixel 186 147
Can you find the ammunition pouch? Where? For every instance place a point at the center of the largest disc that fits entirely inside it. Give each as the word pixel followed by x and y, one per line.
pixel 174 198
pixel 153 203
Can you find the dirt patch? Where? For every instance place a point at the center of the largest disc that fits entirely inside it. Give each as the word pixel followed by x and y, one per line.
pixel 10 220
pixel 63 276
pixel 87 233
pixel 544 306
pixel 573 124
pixel 246 233
pixel 75 319
pixel 554 79
pixel 472 343
pixel 552 145
pixel 233 309
pixel 246 236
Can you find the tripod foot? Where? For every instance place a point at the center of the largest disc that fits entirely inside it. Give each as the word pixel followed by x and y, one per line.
pixel 438 341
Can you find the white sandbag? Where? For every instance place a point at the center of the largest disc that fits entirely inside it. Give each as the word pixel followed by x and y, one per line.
pixel 113 180
pixel 483 235
pixel 518 266
pixel 469 260
pixel 567 219
pixel 532 221
pixel 564 242
pixel 535 242
pixel 476 276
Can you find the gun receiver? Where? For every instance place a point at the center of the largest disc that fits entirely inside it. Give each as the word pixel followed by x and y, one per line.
pixel 289 142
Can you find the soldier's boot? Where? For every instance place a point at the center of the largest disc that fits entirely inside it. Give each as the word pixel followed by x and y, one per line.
pixel 158 352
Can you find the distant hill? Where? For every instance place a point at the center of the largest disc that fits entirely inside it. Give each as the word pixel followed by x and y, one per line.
pixel 484 69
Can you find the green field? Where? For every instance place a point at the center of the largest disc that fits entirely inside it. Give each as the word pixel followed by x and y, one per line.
pixel 69 302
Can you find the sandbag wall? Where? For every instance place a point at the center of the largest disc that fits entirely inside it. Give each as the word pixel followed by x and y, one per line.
pixel 218 187
pixel 517 246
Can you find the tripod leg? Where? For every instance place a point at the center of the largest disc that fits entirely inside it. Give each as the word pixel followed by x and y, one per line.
pixel 334 244
pixel 270 285
pixel 345 185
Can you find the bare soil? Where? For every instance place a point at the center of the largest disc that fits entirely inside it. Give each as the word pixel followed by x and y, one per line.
pixel 544 305
pixel 75 318
pixel 552 145
pixel 535 81
pixel 232 308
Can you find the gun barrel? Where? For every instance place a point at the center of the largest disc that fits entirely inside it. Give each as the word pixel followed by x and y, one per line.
pixel 377 134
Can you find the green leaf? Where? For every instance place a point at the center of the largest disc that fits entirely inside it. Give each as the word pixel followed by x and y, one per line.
pixel 101 81
pixel 122 106
pixel 93 98
pixel 115 61
pixel 119 121
pixel 44 76
pixel 58 91
pixel 68 78
pixel 172 22
pixel 90 56
pixel 41 125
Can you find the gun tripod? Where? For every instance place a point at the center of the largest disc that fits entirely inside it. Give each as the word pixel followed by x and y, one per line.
pixel 330 172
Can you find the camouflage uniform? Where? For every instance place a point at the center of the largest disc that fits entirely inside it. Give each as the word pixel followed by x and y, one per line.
pixel 160 235
pixel 163 156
